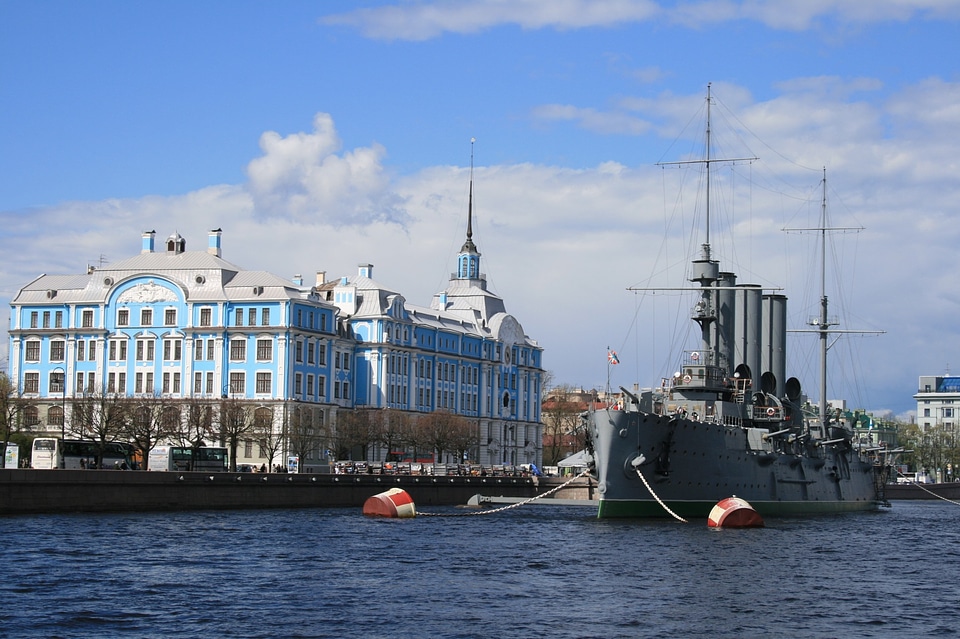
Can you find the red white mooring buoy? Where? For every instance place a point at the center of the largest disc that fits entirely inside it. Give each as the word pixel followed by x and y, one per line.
pixel 395 503
pixel 734 512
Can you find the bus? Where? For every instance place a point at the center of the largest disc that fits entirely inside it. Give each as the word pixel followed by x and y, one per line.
pixel 51 452
pixel 180 458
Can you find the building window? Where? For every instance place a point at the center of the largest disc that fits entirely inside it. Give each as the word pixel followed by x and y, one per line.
pixel 32 351
pixel 198 352
pixel 297 351
pixel 206 316
pixel 264 350
pixel 91 382
pixel 118 350
pixel 310 352
pixel 146 317
pixel 263 383
pixel 210 349
pixel 166 383
pixel 346 390
pixel 197 383
pixel 57 348
pixel 123 317
pixel 252 317
pixel 309 385
pixel 172 350
pixel 209 387
pixel 46 319
pixel 321 387
pixel 237 383
pixel 238 350
pixel 322 354
pixel 57 381
pixel 31 382
pixel 248 448
pixel 145 350
pixel 34 319
pixel 86 319
pixel 81 350
pixel 170 317
pixel 298 384
pixel 265 317
pixel 31 416
pixel 238 317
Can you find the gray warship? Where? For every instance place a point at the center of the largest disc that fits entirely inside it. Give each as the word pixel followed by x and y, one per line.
pixel 729 423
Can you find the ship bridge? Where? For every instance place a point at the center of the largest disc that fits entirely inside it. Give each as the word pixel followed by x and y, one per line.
pixel 699 371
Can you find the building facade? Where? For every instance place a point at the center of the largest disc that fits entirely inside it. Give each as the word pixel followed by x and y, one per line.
pixel 938 400
pixel 190 326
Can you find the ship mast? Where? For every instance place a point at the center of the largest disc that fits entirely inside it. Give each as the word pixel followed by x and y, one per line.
pixel 822 324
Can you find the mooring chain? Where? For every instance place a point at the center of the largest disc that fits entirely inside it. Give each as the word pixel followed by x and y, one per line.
pixel 920 486
pixel 507 507
pixel 657 497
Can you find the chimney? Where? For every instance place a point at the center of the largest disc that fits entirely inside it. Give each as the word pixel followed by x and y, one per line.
pixel 213 243
pixel 366 270
pixel 148 239
pixel 298 279
pixel 321 278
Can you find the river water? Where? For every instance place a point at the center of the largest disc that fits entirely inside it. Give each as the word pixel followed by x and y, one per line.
pixel 534 571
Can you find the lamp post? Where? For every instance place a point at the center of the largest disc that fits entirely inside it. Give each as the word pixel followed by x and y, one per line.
pixel 63 408
pixel 63 404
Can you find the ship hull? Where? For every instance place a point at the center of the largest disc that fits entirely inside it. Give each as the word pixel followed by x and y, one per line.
pixel 691 465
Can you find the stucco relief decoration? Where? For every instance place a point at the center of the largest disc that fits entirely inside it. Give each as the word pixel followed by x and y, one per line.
pixel 146 293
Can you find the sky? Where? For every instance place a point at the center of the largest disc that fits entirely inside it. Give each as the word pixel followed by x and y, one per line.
pixel 322 135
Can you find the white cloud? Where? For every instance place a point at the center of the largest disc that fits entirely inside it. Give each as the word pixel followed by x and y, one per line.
pixel 422 20
pixel 301 177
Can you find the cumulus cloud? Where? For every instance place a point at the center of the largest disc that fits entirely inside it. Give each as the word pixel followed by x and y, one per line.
pixel 302 177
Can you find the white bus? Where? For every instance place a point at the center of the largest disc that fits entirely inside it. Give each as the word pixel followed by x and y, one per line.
pixel 178 458
pixel 50 453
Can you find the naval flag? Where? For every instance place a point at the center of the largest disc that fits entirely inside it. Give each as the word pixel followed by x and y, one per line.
pixel 612 357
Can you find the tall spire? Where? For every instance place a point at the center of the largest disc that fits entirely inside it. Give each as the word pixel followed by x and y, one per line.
pixel 468 262
pixel 469 245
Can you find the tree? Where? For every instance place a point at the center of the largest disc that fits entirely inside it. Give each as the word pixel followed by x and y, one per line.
pixel 102 416
pixel 11 412
pixel 268 437
pixel 445 432
pixel 236 420
pixel 394 430
pixel 562 430
pixel 356 430
pixel 303 436
pixel 197 423
pixel 149 421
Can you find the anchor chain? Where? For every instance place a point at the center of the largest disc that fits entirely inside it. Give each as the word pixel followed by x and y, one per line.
pixel 657 497
pixel 507 507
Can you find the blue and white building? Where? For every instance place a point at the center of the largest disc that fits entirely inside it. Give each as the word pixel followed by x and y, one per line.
pixel 189 324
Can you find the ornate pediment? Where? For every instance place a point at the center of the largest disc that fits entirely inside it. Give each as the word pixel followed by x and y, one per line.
pixel 146 293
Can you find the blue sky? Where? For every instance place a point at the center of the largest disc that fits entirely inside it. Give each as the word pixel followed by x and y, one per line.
pixel 320 135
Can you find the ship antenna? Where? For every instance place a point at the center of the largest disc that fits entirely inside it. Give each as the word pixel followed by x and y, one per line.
pixel 706 244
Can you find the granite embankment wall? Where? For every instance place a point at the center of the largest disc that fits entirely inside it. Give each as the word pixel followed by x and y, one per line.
pixel 53 491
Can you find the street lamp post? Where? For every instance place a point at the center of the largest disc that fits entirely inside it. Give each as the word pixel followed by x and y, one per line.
pixel 63 404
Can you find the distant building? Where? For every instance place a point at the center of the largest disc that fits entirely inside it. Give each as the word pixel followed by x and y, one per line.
pixel 190 325
pixel 938 399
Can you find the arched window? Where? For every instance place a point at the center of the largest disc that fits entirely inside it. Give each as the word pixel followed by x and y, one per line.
pixel 55 416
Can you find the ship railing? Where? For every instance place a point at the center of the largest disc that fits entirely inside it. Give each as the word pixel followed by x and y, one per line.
pixel 767 413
